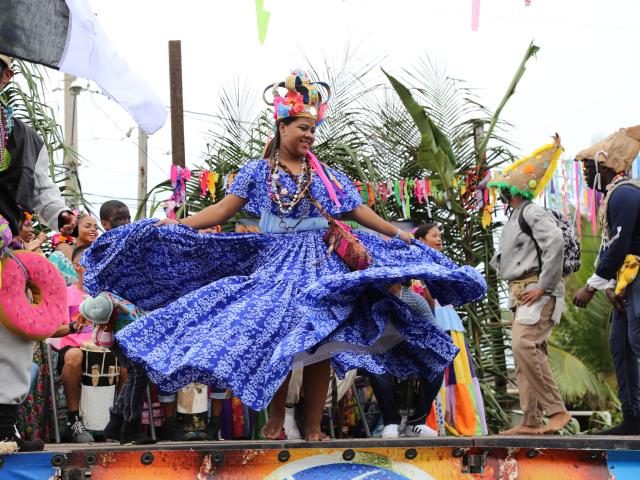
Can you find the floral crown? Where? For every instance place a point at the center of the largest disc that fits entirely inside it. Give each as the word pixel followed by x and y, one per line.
pixel 303 98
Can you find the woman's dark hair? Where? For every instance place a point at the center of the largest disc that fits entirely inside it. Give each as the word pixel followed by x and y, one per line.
pixel 274 143
pixel 423 229
pixel 3 67
pixel 76 230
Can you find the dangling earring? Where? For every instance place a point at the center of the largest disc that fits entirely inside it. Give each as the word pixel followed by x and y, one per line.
pixel 597 184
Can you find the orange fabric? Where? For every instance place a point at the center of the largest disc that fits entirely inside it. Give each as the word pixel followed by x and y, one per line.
pixel 432 422
pixel 465 415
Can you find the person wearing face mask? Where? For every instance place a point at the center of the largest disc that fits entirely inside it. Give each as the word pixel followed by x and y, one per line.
pixel 606 168
pixel 531 262
pixel 240 311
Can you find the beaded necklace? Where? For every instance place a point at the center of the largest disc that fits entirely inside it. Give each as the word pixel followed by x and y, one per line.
pixel 285 200
pixel 278 193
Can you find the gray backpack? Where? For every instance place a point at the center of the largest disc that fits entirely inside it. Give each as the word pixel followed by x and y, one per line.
pixel 571 262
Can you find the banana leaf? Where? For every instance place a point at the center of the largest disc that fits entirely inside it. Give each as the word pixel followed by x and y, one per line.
pixel 434 152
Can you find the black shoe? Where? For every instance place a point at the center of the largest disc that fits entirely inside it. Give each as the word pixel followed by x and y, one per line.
pixel 132 435
pixel 36 445
pixel 213 429
pixel 171 431
pixel 630 426
pixel 114 428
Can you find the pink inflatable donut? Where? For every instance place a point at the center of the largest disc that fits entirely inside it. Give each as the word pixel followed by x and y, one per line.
pixel 40 317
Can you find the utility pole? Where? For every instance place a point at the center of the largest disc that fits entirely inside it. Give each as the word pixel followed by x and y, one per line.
pixel 71 161
pixel 142 173
pixel 177 109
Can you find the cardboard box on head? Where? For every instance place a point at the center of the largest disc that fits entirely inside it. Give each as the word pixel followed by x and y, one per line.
pixel 6 59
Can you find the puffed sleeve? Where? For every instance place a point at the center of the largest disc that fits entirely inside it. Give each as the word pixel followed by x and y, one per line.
pixel 245 185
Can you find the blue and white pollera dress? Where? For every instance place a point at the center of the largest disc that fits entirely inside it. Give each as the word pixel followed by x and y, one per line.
pixel 240 310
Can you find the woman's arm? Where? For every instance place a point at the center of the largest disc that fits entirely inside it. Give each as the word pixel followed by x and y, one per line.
pixel 65 248
pixel 213 215
pixel 370 219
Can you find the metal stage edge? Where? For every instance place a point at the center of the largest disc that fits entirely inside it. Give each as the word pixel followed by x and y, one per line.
pixel 499 457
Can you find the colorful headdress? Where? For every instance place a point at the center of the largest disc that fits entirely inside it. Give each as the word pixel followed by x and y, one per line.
pixel 303 98
pixel 617 151
pixel 529 175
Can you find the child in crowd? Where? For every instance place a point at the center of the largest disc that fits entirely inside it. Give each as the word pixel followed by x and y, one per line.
pixel 463 407
pixel 110 313
pixel 384 385
pixel 70 356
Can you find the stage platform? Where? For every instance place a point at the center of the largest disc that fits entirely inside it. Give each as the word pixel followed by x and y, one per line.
pixel 493 457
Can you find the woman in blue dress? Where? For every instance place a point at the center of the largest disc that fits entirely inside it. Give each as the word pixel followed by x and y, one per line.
pixel 240 310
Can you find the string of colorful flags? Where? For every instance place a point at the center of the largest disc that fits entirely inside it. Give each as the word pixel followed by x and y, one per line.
pixel 566 193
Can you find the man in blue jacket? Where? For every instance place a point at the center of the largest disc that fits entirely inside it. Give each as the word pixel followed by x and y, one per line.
pixel 606 167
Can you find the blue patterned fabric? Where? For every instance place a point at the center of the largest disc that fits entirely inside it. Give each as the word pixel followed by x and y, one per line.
pixel 238 310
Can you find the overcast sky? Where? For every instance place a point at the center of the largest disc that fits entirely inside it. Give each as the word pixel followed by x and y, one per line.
pixel 583 83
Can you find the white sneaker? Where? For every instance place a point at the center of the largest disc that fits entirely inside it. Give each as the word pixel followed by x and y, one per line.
pixel 291 429
pixel 391 431
pixel 420 431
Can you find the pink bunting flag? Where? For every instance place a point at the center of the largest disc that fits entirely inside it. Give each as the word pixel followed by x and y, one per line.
pixel 475 14
pixel 418 191
pixel 593 216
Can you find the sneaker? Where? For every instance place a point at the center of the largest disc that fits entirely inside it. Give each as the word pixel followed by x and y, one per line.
pixel 79 433
pixel 171 431
pixel 421 431
pixel 391 431
pixel 291 429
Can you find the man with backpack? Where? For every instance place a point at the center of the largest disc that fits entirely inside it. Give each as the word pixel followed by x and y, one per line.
pixel 531 259
pixel 606 167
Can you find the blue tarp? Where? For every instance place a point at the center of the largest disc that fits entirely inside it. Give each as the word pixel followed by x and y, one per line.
pixel 27 466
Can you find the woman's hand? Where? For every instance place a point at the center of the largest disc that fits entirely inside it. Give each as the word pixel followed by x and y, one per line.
pixel 167 221
pixel 67 222
pixel 36 243
pixel 406 237
pixel 370 219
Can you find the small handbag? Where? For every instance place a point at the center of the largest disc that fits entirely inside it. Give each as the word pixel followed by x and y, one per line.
pixel 339 239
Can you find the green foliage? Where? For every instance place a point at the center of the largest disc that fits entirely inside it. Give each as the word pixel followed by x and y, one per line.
pixel 450 144
pixel 434 152
pixel 26 94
